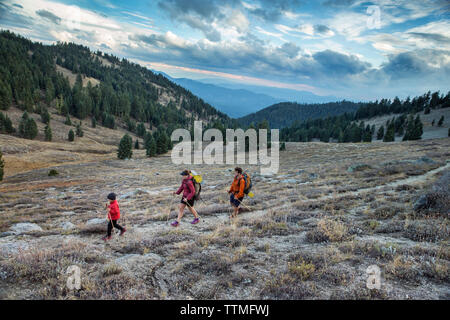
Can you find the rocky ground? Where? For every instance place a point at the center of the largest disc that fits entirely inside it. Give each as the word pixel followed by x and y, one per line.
pixel 310 232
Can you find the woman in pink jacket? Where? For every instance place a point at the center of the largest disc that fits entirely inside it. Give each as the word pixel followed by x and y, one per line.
pixel 187 186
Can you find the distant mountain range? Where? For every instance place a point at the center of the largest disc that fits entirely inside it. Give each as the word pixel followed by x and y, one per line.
pixel 233 102
pixel 238 100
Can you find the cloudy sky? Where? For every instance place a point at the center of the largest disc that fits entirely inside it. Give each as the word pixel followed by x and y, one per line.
pixel 346 48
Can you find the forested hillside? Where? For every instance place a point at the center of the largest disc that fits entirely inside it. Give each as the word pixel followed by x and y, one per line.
pixel 283 114
pixel 34 77
pixel 349 127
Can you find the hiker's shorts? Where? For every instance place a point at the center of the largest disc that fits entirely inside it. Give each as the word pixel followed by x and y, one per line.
pixel 234 201
pixel 189 202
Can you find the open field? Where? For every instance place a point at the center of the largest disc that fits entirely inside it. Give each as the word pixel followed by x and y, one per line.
pixel 310 232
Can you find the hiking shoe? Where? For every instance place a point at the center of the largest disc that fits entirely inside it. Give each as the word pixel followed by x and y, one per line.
pixel 106 238
pixel 175 223
pixel 123 231
pixel 195 221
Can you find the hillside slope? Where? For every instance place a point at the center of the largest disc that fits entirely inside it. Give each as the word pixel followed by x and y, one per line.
pixel 284 114
pixel 77 81
pixel 429 131
pixel 22 155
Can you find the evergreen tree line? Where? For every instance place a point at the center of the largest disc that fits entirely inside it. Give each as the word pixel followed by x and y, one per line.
pixel 155 143
pixel 345 127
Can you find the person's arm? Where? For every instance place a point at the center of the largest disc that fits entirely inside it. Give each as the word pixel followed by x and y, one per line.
pixel 179 189
pixel 231 187
pixel 191 190
pixel 241 188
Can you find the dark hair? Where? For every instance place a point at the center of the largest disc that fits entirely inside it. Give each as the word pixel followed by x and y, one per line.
pixel 186 172
pixel 239 170
pixel 112 196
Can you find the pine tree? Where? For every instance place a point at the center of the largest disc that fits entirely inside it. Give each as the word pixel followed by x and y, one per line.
pixel 449 132
pixel 125 150
pixel 283 146
pixel 136 144
pixel 6 124
pixel 2 166
pixel 48 133
pixel 27 127
pixel 94 122
pixel 410 128
pixel 161 143
pixel 400 130
pixel 418 128
pixel 22 123
pixel 341 136
pixel 441 121
pixel 71 135
pixel 68 122
pixel 367 136
pixel 79 131
pixel 380 133
pixel 31 129
pixel 5 95
pixel 45 115
pixel 140 130
pixel 390 133
pixel 49 91
pixel 149 145
pixel 432 123
pixel 427 110
pixel 131 125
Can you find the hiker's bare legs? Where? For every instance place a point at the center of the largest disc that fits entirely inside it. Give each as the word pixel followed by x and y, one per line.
pixel 180 214
pixel 236 211
pixel 193 211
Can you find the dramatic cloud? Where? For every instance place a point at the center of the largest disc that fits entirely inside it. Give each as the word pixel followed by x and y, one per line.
pixel 339 64
pixel 272 10
pixel 417 64
pixel 331 47
pixel 48 15
pixel 198 14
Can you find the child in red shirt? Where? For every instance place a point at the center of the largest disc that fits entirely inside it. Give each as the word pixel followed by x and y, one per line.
pixel 113 216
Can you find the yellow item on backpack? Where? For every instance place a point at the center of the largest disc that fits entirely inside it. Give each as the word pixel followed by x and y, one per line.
pixel 197 177
pixel 251 194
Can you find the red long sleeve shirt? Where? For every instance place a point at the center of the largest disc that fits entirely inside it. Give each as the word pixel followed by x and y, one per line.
pixel 114 211
pixel 187 186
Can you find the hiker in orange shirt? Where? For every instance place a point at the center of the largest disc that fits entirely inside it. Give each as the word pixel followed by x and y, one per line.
pixel 237 191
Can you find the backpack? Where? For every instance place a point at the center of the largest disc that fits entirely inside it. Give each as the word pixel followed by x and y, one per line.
pixel 197 180
pixel 248 182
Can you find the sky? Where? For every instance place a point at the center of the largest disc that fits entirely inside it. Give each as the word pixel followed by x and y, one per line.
pixel 358 50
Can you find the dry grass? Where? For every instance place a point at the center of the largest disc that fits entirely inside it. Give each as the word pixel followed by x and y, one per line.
pixel 309 239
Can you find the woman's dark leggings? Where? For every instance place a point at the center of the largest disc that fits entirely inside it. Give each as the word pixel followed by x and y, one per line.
pixel 110 226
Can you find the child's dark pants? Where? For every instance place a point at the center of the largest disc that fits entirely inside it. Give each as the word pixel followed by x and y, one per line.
pixel 110 226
